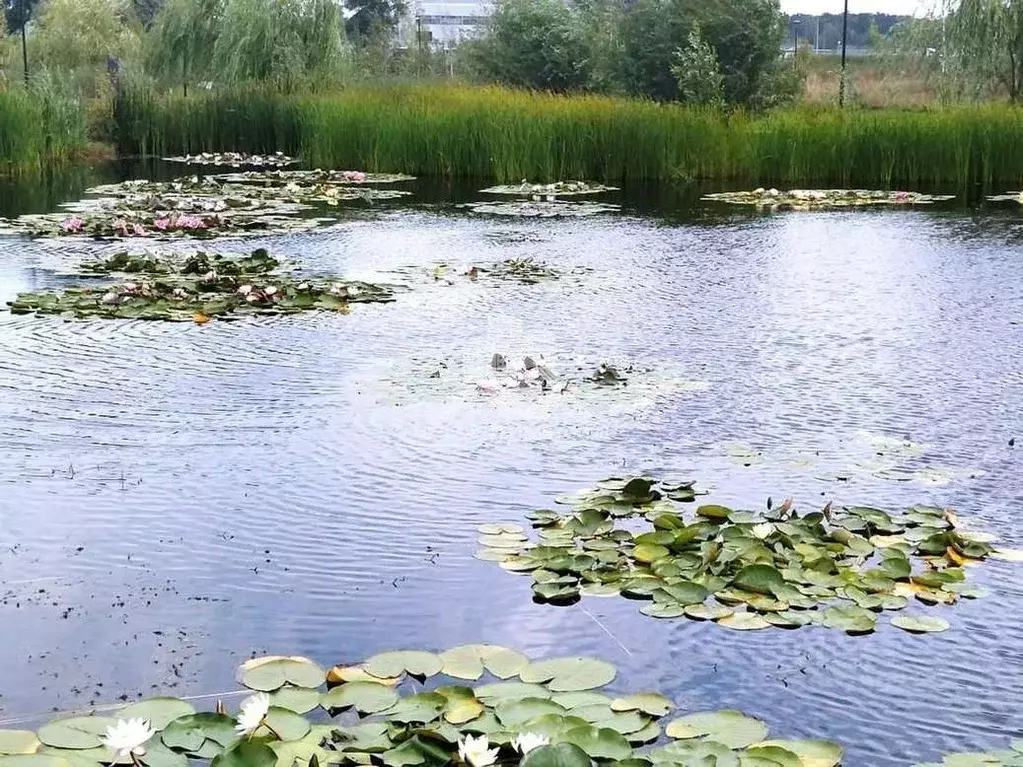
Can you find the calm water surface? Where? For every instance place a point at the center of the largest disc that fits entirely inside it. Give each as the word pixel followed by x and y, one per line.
pixel 175 498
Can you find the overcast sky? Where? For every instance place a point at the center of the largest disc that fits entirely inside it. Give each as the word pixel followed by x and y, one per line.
pixel 857 6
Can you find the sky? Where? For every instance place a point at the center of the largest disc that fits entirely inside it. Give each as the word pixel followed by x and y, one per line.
pixel 915 7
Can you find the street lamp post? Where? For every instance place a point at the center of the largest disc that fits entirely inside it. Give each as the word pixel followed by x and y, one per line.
pixel 795 40
pixel 845 34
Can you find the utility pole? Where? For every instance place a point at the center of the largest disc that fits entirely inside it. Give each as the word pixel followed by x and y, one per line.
pixel 795 41
pixel 845 34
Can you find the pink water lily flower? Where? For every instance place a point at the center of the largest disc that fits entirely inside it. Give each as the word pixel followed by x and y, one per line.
pixel 73 224
pixel 120 226
pixel 138 230
pixel 162 224
pixel 356 176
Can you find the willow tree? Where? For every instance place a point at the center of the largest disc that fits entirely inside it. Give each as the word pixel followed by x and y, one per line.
pixel 179 45
pixel 278 41
pixel 986 38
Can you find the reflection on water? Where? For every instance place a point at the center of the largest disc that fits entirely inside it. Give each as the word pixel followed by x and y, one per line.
pixel 174 498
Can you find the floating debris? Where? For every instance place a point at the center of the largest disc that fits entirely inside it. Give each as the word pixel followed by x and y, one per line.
pixel 816 199
pixel 837 568
pixel 311 177
pixel 236 159
pixel 550 191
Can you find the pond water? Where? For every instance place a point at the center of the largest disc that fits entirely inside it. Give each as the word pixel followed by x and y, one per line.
pixel 175 498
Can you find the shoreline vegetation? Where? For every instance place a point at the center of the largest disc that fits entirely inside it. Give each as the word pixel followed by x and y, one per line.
pixel 506 135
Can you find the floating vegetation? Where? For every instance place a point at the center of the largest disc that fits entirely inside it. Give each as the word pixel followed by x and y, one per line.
pixel 609 375
pixel 237 159
pixel 218 190
pixel 1016 197
pixel 532 374
pixel 209 295
pixel 171 204
pixel 550 191
pixel 475 704
pixel 552 208
pixel 525 270
pixel 311 177
pixel 258 262
pixel 816 199
pixel 838 568
pixel 197 288
pixel 1010 757
pixel 124 225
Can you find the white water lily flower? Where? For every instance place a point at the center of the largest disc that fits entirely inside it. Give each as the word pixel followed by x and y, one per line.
pixel 253 712
pixel 244 290
pixel 476 751
pixel 527 741
pixel 128 738
pixel 270 290
pixel 763 530
pixel 109 298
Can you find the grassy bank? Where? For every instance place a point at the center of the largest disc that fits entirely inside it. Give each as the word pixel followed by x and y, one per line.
pixel 508 135
pixel 39 128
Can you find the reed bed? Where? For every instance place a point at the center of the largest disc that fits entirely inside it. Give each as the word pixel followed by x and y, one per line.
pixel 508 135
pixel 39 128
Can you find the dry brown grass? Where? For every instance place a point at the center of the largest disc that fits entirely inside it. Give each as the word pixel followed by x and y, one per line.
pixel 870 86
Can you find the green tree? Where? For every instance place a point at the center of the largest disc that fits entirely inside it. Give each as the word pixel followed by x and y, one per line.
pixel 179 45
pixel 534 44
pixel 697 73
pixel 986 39
pixel 373 20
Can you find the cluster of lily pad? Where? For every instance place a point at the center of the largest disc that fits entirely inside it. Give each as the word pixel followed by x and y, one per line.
pixel 208 206
pixel 236 159
pixel 536 374
pixel 837 567
pixel 197 288
pixel 1010 757
pixel 526 270
pixel 474 705
pixel 816 199
pixel 550 191
pixel 549 208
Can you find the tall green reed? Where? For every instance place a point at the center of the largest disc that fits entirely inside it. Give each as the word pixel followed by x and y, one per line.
pixel 507 135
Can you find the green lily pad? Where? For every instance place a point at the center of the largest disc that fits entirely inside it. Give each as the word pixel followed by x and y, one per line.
pixel 33 760
pixel 850 619
pixel 159 712
pixel 762 579
pixel 414 662
pixel 504 692
pixel 664 610
pixel 272 673
pixel 652 703
pixel 558 755
pixel 422 707
pixel 920 624
pixel 190 733
pixel 569 674
pixel 470 661
pixel 364 697
pixel 769 756
pixel 704 612
pixel 246 753
pixel 518 712
pixel 812 753
pixel 744 622
pixel 599 743
pixel 301 700
pixel 730 728
pixel 75 733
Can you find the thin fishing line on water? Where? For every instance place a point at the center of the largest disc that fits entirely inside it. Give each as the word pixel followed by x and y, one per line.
pixel 607 631
pixel 26 718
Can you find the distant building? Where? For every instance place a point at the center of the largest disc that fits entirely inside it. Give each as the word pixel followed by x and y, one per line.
pixel 444 23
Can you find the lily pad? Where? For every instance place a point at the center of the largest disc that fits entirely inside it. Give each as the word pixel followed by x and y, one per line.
pixel 246 753
pixel 364 697
pixel 744 622
pixel 850 619
pixel 272 673
pixel 558 755
pixel 569 674
pixel 470 661
pixel 190 733
pixel 920 624
pixel 730 728
pixel 76 733
pixel 598 742
pixel 16 742
pixel 652 703
pixel 414 662
pixel 812 753
pixel 159 712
